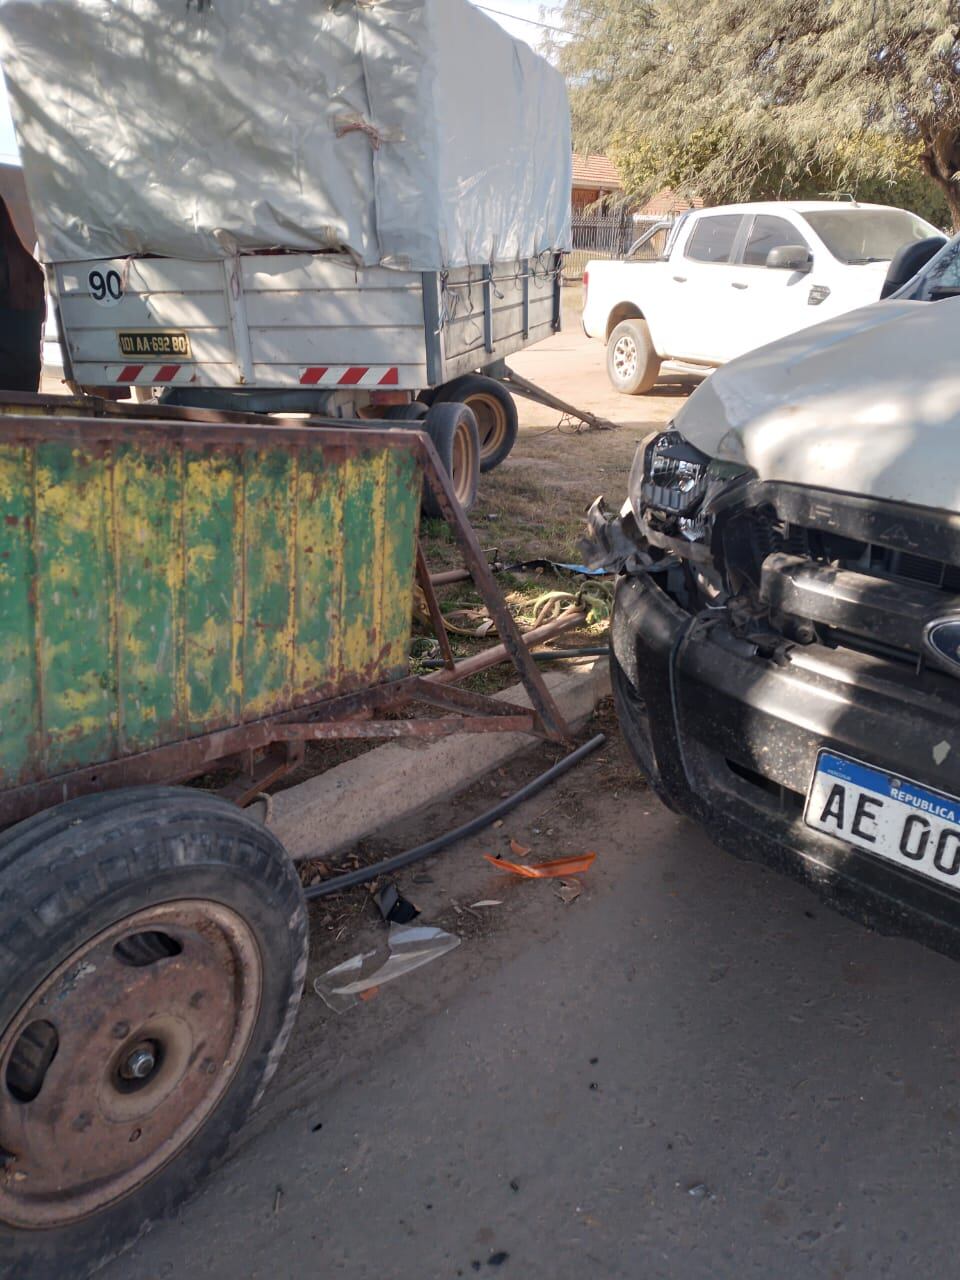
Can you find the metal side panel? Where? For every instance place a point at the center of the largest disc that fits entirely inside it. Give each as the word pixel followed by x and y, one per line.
pixel 160 581
pixel 148 321
pixel 489 314
pixel 319 320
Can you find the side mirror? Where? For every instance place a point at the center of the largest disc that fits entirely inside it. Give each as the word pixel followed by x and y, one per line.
pixel 790 257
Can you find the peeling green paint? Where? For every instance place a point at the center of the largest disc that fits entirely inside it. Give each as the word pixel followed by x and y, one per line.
pixel 156 586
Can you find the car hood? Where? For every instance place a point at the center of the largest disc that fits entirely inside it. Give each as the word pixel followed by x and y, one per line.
pixel 866 403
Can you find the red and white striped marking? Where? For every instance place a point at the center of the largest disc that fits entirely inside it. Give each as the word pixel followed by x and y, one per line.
pixel 149 375
pixel 358 375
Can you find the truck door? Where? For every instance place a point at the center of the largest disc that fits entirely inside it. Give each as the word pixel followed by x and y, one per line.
pixel 697 299
pixel 770 302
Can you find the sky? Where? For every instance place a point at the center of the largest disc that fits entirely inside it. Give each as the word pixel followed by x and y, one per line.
pixel 519 17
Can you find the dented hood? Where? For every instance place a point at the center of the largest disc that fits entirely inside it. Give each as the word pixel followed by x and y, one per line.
pixel 867 403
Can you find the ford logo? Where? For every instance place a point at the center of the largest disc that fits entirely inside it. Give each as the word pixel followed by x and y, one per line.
pixel 942 638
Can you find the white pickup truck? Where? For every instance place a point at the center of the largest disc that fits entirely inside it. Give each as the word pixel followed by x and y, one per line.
pixel 736 277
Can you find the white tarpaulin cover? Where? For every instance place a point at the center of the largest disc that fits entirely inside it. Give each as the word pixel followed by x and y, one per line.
pixel 413 133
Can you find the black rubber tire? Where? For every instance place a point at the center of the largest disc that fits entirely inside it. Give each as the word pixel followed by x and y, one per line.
pixel 71 872
pixel 453 431
pixel 494 409
pixel 416 411
pixel 633 365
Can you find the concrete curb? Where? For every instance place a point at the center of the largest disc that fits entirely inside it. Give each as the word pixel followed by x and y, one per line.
pixel 351 800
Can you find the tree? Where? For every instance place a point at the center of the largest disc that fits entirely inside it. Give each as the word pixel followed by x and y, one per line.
pixel 729 99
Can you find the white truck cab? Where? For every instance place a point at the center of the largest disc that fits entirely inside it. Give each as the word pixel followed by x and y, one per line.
pixel 737 277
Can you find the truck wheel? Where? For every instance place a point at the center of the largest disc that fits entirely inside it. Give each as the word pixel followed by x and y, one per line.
pixel 453 430
pixel 153 946
pixel 632 364
pixel 494 409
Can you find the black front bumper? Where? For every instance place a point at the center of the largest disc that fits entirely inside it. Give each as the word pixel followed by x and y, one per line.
pixel 731 739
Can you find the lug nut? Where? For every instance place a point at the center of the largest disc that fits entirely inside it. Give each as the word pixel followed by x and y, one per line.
pixel 139 1063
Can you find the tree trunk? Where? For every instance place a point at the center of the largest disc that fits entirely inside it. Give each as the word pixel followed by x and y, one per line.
pixel 941 161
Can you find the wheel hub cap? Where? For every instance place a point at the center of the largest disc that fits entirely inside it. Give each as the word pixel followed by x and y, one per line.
pixel 625 357
pixel 120 1056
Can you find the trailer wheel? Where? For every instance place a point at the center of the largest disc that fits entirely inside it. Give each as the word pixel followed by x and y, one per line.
pixel 153 946
pixel 453 431
pixel 494 409
pixel 633 366
pixel 415 411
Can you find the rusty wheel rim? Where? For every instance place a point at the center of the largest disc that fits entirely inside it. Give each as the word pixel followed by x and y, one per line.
pixel 491 423
pixel 120 1056
pixel 463 464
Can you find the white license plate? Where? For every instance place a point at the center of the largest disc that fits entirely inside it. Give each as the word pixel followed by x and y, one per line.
pixel 886 814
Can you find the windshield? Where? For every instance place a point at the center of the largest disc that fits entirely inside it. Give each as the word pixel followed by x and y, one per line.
pixel 868 235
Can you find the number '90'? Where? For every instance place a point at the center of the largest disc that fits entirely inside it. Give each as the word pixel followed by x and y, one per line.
pixel 105 287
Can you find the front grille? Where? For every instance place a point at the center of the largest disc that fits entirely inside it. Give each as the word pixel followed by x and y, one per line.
pixel 819 579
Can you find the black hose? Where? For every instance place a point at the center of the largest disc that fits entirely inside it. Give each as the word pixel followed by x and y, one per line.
pixel 363 874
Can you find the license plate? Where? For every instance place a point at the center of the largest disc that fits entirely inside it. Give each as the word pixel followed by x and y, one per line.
pixel 153 342
pixel 886 814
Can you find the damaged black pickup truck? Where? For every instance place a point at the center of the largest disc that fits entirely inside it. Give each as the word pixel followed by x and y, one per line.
pixel 786 634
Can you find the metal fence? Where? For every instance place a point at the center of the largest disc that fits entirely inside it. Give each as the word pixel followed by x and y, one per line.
pixel 606 235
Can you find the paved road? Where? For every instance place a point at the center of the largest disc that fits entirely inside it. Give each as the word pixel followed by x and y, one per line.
pixel 693 1071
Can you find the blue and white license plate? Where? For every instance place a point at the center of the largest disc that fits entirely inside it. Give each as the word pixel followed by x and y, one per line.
pixel 886 814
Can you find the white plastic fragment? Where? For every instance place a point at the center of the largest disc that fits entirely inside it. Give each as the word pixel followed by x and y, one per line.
pixel 408 947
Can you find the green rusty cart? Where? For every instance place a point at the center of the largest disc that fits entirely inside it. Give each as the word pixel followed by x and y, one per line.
pixel 181 591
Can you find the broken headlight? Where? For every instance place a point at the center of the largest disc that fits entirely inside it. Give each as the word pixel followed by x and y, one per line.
pixel 669 475
pixel 673 486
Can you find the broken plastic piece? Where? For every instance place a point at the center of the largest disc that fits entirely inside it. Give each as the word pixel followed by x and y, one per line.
pixel 519 850
pixel 557 867
pixel 408 947
pixel 487 902
pixel 394 907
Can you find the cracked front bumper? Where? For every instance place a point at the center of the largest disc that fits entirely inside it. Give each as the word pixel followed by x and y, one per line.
pixel 731 739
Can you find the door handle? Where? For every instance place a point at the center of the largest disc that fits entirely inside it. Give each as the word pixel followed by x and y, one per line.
pixel 737 284
pixel 680 279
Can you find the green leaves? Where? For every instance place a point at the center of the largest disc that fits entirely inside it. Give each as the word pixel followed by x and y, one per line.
pixel 728 100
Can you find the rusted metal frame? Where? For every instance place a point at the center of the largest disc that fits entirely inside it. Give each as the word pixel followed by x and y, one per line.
pixel 275 763
pixel 182 760
pixel 351 438
pixel 12 402
pixel 390 696
pixel 512 642
pixel 314 730
pixel 433 608
pixel 449 697
pixel 498 653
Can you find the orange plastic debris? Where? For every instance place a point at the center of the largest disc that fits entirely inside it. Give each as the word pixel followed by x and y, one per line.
pixel 519 850
pixel 558 867
pixel 371 993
